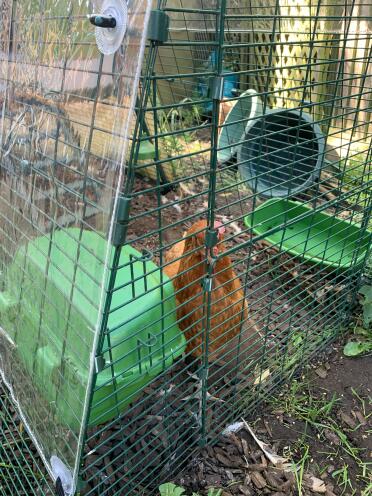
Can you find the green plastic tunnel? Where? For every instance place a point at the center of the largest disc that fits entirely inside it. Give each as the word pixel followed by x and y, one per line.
pixel 282 153
pixel 247 107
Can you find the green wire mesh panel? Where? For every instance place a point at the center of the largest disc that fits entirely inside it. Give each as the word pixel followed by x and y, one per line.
pixel 214 294
pixel 297 299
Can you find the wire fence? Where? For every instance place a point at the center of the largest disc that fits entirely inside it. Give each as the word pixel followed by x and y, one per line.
pixel 169 257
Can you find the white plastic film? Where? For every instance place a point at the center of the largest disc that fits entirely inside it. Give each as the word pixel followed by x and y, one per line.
pixel 67 114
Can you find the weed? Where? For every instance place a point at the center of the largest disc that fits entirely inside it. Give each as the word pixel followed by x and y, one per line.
pixel 299 402
pixel 170 489
pixel 368 490
pixel 362 343
pixel 343 479
pixel 362 403
pixel 185 116
pixel 299 344
pixel 299 469
pixel 178 119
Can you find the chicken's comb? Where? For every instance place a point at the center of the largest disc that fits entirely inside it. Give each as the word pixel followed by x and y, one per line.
pixel 218 225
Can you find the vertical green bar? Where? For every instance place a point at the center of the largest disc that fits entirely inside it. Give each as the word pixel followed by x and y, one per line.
pixel 218 81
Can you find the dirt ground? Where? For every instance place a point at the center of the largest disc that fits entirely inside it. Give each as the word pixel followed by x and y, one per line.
pixel 321 424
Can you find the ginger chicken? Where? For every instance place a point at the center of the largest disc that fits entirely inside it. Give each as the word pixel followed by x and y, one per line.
pixel 229 312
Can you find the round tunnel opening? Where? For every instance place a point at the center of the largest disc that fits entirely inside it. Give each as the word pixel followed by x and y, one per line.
pixel 282 153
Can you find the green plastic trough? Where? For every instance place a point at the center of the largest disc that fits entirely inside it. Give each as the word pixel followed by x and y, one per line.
pixel 314 236
pixel 140 347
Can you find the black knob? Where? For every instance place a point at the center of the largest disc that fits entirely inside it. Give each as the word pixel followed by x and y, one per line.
pixel 59 488
pixel 102 21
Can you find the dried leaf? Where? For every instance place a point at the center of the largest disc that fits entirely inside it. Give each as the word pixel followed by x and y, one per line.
pixel 321 372
pixel 332 437
pixel 273 457
pixel 348 420
pixel 262 377
pixel 316 485
pixel 361 418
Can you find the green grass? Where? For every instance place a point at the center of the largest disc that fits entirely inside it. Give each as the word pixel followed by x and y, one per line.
pixel 170 489
pixel 299 468
pixel 343 479
pixel 316 411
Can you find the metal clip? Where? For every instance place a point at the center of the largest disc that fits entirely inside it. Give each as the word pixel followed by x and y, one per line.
pixel 202 373
pixel 59 488
pixel 121 221
pixel 207 284
pixel 217 88
pixel 158 27
pixel 211 238
pixel 99 363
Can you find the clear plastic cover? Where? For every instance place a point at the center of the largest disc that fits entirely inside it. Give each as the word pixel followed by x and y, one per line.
pixel 67 112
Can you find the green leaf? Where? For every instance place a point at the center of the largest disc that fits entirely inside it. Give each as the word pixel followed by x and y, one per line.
pixel 170 489
pixel 366 291
pixel 360 331
pixel 367 314
pixel 297 339
pixel 355 348
pixel 214 492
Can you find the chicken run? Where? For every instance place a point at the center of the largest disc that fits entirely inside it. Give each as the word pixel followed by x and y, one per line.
pixel 185 215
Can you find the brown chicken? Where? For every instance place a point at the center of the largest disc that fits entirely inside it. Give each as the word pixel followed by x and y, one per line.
pixel 229 311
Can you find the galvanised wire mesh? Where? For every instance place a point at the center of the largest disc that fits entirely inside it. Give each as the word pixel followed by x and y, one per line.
pixel 238 235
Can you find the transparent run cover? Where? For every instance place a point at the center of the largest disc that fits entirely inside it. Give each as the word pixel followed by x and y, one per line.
pixel 67 111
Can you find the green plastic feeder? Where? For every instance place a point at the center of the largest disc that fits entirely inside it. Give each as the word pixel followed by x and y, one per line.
pixel 146 151
pixel 145 339
pixel 246 108
pixel 316 236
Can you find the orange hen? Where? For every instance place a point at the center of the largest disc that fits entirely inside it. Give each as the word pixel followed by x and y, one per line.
pixel 187 268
